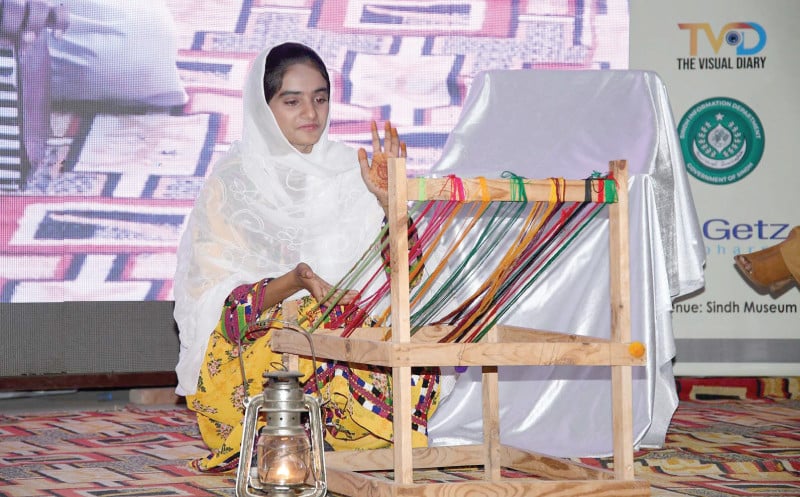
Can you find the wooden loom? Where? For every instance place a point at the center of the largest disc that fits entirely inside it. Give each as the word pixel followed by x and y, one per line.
pixel 502 346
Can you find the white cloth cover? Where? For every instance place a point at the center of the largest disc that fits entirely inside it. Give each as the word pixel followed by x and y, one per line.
pixel 265 208
pixel 117 51
pixel 541 124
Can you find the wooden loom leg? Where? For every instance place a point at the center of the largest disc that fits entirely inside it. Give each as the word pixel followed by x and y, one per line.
pixel 291 362
pixel 491 423
pixel 401 396
pixel 401 315
pixel 491 417
pixel 621 397
pixel 621 376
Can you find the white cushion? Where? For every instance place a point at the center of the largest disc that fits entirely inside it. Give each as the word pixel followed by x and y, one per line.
pixel 117 51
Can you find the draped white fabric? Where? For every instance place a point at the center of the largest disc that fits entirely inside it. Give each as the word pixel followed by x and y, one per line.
pixel 541 124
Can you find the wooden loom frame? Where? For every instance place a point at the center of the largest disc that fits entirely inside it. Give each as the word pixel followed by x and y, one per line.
pixel 502 346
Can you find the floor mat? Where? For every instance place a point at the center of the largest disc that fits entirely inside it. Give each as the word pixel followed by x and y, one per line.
pixel 739 447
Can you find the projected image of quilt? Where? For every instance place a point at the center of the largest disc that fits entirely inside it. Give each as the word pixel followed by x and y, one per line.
pixel 146 95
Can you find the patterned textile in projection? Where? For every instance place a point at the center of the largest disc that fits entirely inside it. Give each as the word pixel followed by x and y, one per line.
pixel 744 442
pixel 101 219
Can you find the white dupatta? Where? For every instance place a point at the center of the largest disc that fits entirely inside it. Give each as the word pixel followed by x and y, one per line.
pixel 265 208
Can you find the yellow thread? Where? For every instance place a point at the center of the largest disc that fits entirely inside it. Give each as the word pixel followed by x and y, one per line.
pixel 484 189
pixel 553 190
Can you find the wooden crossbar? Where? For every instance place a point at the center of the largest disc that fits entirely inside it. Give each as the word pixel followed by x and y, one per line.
pixel 499 190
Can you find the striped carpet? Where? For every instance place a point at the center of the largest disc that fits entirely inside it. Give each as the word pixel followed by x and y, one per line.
pixel 729 437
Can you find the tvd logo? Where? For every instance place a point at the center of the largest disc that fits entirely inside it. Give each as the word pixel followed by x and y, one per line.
pixel 736 45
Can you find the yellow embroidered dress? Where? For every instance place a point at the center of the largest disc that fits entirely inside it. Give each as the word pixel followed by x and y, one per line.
pixel 356 402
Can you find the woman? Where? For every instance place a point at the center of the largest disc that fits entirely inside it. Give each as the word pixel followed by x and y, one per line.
pixel 774 268
pixel 284 213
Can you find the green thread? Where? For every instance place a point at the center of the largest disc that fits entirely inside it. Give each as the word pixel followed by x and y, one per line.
pixel 610 189
pixel 516 186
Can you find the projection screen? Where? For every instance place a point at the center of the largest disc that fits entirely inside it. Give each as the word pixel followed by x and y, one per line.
pixel 112 113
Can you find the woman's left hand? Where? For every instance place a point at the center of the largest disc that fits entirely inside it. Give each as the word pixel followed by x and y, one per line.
pixel 376 175
pixel 320 289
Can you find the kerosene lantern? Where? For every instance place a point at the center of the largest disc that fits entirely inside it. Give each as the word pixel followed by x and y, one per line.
pixel 289 462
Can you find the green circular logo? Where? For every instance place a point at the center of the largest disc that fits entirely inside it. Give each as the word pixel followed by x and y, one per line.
pixel 722 140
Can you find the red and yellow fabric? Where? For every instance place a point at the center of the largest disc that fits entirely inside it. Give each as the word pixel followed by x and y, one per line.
pixel 356 402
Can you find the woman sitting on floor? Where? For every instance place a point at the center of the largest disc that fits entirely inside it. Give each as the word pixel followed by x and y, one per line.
pixel 284 212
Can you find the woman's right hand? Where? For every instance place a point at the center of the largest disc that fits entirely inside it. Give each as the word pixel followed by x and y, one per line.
pixel 376 174
pixel 319 288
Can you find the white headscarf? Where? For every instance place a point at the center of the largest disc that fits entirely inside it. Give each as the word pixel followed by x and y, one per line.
pixel 264 208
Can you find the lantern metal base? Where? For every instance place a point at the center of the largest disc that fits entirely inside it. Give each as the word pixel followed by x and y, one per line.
pixel 280 403
pixel 255 489
pixel 252 487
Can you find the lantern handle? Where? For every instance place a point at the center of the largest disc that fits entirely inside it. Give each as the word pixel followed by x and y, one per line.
pixel 294 326
pixel 318 447
pixel 252 406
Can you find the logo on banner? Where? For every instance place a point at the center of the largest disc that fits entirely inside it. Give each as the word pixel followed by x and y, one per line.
pixel 736 45
pixel 722 140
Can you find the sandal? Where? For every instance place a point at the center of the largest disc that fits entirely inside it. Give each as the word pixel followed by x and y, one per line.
pixel 766 268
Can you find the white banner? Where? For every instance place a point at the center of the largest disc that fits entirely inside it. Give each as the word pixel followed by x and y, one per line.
pixel 731 71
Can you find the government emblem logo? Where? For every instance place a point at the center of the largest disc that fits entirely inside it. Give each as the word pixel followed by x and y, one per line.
pixel 722 140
